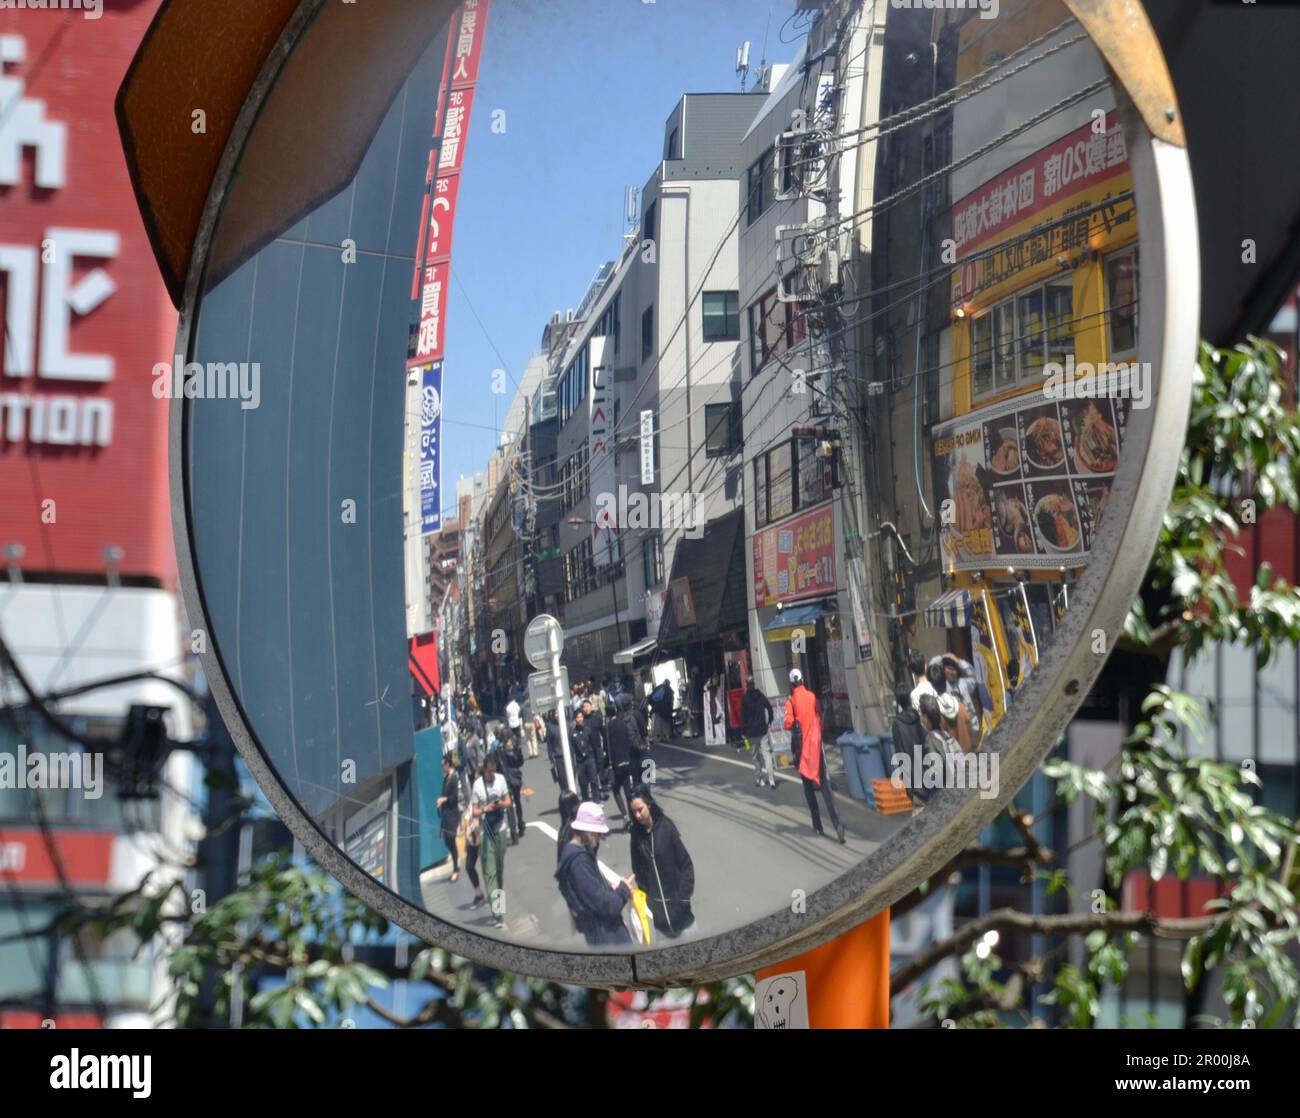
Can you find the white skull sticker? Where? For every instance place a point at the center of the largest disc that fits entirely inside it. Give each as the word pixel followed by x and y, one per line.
pixel 779 1004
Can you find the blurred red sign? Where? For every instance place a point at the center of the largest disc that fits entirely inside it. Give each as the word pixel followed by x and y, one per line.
pixel 83 440
pixel 26 858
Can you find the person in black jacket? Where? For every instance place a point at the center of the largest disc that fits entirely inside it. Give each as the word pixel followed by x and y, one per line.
pixel 906 730
pixel 624 749
pixel 756 719
pixel 583 747
pixel 512 754
pixel 661 865
pixel 596 728
pixel 553 752
pixel 596 908
pixel 660 702
pixel 449 812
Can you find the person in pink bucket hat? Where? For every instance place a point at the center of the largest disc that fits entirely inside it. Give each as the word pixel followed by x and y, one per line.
pixel 596 907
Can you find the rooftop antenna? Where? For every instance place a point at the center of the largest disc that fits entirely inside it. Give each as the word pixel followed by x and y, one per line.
pixel 631 208
pixel 764 71
pixel 742 64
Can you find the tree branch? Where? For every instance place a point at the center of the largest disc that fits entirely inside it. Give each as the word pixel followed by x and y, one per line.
pixel 1066 924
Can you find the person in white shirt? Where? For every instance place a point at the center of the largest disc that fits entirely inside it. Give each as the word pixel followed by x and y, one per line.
pixel 513 721
pixel 916 663
pixel 489 800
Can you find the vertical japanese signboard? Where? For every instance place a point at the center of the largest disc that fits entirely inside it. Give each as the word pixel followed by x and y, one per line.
pixel 430 450
pixel 433 254
pixel 647 448
pixel 455 100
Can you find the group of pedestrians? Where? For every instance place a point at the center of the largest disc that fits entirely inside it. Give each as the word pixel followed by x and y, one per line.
pixel 610 736
pixel 483 799
pixel 607 745
pixel 945 712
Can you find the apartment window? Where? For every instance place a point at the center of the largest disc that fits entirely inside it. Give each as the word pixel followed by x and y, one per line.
pixel 766 329
pixel 1012 341
pixel 774 328
pixel 721 430
pixel 649 226
pixel 648 333
pixel 610 323
pixel 673 150
pixel 573 385
pixel 789 478
pixel 1121 303
pixel 759 187
pixel 780 481
pixel 816 474
pixel 652 560
pixel 721 316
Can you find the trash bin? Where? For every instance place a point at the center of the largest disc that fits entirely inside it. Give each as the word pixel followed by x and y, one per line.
pixel 851 748
pixel 872 764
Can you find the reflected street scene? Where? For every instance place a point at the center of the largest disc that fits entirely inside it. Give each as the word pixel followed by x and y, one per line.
pixel 679 443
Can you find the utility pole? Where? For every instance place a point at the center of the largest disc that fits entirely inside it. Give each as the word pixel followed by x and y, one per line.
pixel 829 166
pixel 218 853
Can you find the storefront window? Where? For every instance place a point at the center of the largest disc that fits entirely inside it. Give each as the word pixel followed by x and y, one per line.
pixel 1277 708
pixel 1004 346
pixel 1032 338
pixel 1121 303
pixel 1012 342
pixel 981 346
pixel 1060 321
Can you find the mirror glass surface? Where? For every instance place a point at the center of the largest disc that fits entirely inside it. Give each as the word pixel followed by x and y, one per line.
pixel 822 356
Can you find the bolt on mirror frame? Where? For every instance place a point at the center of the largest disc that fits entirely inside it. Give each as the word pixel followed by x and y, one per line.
pixel 1169 296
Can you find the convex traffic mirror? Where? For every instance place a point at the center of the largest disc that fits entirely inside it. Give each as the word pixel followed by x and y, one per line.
pixel 867 386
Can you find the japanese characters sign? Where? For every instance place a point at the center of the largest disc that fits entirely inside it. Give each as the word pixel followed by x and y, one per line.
pixel 430 449
pixel 1075 161
pixel 796 559
pixel 437 223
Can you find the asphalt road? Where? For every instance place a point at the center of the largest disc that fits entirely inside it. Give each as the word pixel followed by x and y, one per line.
pixel 753 848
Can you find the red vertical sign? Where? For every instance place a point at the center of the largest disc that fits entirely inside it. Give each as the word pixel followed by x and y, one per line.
pixel 455 103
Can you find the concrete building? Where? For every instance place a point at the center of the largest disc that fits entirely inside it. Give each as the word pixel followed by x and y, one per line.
pixel 655 335
pixel 800 375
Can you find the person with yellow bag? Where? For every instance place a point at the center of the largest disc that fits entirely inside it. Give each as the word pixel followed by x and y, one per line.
pixel 595 905
pixel 661 865
pixel 642 922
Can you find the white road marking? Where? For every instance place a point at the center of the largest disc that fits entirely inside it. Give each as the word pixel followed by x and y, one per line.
pixel 722 760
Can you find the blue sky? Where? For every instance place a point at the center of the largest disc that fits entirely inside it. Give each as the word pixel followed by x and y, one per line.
pixel 586 86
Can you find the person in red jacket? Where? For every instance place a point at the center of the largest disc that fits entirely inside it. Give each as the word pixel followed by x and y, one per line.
pixel 802 708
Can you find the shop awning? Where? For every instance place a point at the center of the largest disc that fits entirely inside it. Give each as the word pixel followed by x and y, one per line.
pixel 782 627
pixel 714 565
pixel 641 648
pixel 423 662
pixel 949 611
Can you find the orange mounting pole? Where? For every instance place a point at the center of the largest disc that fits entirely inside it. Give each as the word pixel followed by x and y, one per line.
pixel 843 984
